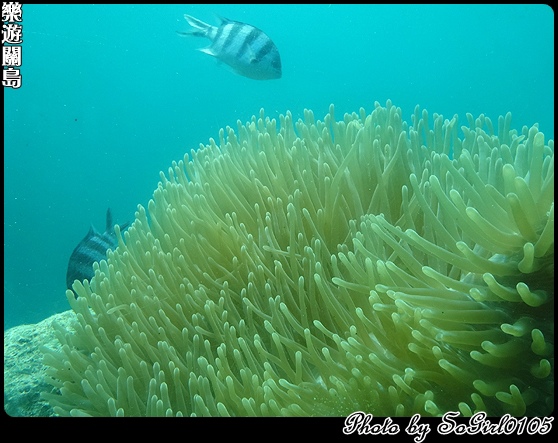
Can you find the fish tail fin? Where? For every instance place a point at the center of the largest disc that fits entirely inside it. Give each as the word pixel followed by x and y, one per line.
pixel 201 29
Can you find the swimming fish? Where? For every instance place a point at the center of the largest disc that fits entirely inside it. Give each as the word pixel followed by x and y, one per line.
pixel 92 248
pixel 245 48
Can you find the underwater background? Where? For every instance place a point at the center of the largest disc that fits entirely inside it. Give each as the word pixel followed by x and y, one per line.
pixel 111 95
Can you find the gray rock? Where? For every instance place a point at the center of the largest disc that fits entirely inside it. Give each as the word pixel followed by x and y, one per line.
pixel 23 366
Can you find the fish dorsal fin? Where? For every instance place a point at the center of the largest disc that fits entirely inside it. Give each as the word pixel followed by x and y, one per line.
pixel 108 227
pixel 92 231
pixel 223 20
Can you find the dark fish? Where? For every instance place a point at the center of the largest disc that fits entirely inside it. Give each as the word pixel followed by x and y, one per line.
pixel 92 248
pixel 243 47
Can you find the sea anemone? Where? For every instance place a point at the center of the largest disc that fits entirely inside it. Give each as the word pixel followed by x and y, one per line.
pixel 320 268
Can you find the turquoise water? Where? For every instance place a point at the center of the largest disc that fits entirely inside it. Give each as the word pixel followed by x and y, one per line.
pixel 112 95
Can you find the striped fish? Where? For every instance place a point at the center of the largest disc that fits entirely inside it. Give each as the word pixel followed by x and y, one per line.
pixel 92 248
pixel 246 49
